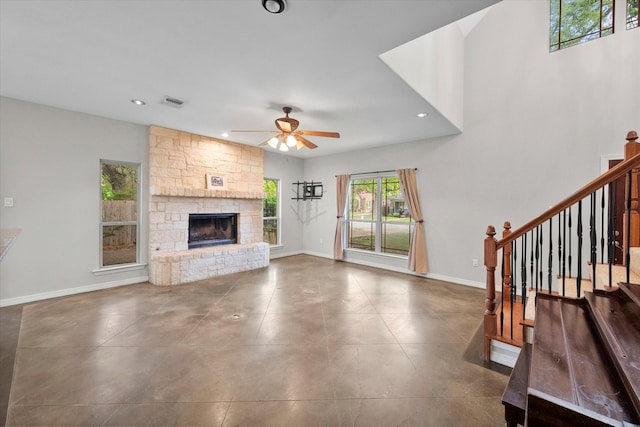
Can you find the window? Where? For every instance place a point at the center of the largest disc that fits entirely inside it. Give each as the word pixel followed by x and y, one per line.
pixel 119 224
pixel 632 14
pixel 577 21
pixel 378 218
pixel 271 211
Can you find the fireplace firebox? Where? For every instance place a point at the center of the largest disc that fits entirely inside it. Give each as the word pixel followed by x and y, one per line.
pixel 212 229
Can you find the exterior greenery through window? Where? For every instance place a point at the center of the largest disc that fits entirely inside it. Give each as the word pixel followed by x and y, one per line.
pixel 577 21
pixel 270 211
pixel 119 222
pixel 378 219
pixel 632 14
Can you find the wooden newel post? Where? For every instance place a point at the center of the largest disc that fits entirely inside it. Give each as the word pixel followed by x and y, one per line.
pixel 490 262
pixel 632 148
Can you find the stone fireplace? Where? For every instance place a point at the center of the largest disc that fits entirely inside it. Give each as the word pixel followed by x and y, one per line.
pixel 181 167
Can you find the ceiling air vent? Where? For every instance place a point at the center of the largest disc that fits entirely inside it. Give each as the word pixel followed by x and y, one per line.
pixel 172 102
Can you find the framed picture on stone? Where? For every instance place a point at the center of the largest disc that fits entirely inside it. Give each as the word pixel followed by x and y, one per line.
pixel 215 182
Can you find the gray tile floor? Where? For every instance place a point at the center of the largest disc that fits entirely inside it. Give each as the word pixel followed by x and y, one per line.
pixel 304 342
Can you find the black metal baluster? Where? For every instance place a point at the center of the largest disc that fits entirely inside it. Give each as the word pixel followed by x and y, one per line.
pixel 550 266
pixel 602 239
pixel 579 261
pixel 627 254
pixel 533 279
pixel 514 260
pixel 523 271
pixel 512 293
pixel 570 239
pixel 502 295
pixel 541 250
pixel 593 239
pixel 613 217
pixel 559 245
pixel 537 257
pixel 564 252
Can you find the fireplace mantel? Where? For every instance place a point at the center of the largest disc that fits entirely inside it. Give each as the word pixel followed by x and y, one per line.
pixel 205 193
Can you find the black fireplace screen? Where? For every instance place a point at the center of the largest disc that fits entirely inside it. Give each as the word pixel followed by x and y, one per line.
pixel 212 229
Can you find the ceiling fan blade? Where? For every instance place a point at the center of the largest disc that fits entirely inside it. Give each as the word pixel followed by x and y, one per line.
pixel 261 131
pixel 317 133
pixel 305 142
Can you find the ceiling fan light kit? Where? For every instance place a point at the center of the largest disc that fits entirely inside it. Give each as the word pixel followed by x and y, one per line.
pixel 288 134
pixel 277 143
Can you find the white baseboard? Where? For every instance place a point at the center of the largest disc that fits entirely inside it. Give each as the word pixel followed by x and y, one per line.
pixel 504 354
pixel 318 254
pixel 71 291
pixel 276 255
pixel 441 277
pixel 456 280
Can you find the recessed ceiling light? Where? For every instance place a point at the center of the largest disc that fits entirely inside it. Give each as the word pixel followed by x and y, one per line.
pixel 225 135
pixel 138 102
pixel 423 115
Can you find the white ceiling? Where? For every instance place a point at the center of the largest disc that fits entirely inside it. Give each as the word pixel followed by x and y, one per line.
pixel 234 64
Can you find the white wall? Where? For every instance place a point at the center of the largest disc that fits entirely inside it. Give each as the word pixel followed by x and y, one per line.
pixel 433 65
pixel 50 165
pixel 288 170
pixel 536 124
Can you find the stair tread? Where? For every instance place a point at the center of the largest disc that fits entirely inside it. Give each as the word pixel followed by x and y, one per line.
pixel 632 291
pixel 618 320
pixel 570 292
pixel 618 274
pixel 572 369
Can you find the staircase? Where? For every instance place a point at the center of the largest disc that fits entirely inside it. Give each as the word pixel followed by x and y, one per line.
pixel 583 366
pixel 569 306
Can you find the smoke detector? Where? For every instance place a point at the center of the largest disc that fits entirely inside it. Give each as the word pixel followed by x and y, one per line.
pixel 274 6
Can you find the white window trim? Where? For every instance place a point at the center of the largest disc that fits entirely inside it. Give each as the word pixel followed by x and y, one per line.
pixel 102 269
pixel 118 268
pixel 277 217
pixel 378 249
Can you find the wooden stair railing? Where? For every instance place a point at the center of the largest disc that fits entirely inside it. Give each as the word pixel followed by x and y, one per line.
pixel 525 245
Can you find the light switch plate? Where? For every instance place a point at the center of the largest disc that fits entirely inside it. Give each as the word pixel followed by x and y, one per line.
pixel 8 202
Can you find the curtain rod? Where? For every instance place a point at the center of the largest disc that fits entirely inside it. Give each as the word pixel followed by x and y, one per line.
pixel 370 173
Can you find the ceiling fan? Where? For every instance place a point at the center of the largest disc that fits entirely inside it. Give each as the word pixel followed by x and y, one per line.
pixel 288 134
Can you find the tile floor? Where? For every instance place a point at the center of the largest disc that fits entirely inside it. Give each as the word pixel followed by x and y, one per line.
pixel 304 342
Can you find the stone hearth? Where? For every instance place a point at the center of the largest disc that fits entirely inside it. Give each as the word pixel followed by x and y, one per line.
pixel 179 165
